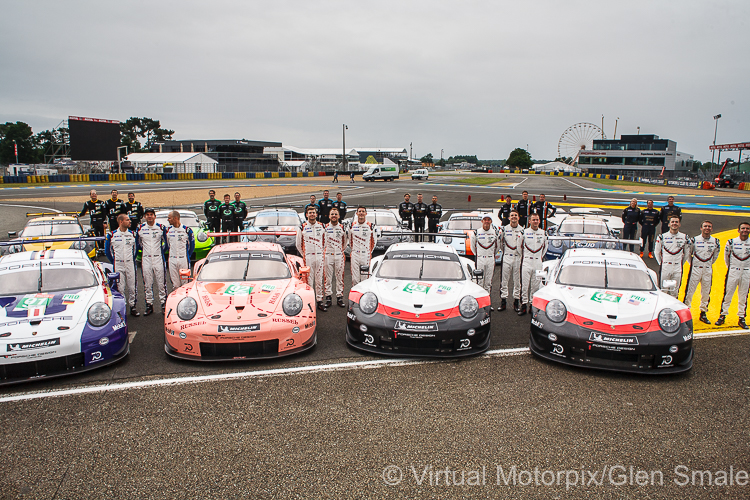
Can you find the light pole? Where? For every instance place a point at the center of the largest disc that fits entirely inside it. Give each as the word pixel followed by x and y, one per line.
pixel 716 127
pixel 119 160
pixel 441 159
pixel 343 149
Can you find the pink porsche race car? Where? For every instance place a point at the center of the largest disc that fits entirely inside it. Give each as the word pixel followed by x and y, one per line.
pixel 243 301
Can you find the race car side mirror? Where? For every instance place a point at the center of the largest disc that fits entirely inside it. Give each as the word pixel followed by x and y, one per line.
pixel 670 285
pixel 112 280
pixel 185 275
pixel 405 224
pixel 478 274
pixel 551 231
pixel 364 269
pixel 304 272
pixel 12 234
pixel 542 274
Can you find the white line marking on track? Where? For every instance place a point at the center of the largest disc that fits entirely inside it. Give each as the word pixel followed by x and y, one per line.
pixel 30 206
pixel 352 365
pixel 376 363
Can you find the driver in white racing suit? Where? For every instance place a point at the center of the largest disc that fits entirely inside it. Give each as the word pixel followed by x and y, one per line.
pixel 704 251
pixel 363 237
pixel 120 248
pixel 671 252
pixel 533 250
pixel 737 257
pixel 181 244
pixel 511 245
pixel 485 244
pixel 311 244
pixel 152 240
pixel 336 240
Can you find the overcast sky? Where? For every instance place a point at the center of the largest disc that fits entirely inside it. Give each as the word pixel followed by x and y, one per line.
pixel 469 77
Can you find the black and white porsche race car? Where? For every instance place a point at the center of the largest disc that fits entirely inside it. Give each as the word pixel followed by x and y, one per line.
pixel 420 300
pixel 602 308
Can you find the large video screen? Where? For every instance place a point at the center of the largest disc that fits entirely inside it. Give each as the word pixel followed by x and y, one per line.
pixel 92 139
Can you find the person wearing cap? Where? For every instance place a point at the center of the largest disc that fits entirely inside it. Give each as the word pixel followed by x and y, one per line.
pixel 152 242
pixel 485 244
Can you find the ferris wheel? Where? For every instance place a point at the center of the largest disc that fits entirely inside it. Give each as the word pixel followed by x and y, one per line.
pixel 577 137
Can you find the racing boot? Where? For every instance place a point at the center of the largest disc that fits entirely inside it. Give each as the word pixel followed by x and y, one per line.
pixel 522 311
pixel 704 318
pixel 163 307
pixel 133 312
pixel 149 310
pixel 515 305
pixel 742 324
pixel 720 321
pixel 328 301
pixel 641 255
pixel 503 305
pixel 651 255
pixel 322 306
pixel 340 301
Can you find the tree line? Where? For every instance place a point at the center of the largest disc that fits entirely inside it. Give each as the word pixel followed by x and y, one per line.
pixel 136 133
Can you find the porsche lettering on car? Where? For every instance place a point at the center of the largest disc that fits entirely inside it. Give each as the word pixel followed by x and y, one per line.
pixel 59 314
pixel 247 300
pixel 602 309
pixel 420 300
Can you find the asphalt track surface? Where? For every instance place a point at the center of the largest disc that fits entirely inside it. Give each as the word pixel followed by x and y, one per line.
pixel 334 423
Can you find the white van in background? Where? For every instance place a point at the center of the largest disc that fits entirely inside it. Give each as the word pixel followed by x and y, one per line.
pixel 384 172
pixel 420 174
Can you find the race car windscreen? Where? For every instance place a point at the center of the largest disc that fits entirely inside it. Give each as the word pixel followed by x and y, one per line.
pixel 52 229
pixel 265 220
pixel 458 224
pixel 419 264
pixel 607 275
pixel 382 219
pixel 244 266
pixel 52 276
pixel 583 227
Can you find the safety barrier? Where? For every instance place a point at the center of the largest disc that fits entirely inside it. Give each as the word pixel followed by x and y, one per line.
pixel 85 178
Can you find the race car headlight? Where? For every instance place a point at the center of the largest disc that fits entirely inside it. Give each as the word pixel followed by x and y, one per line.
pixel 447 239
pixel 610 244
pixel 669 322
pixel 249 237
pixel 99 314
pixel 468 307
pixel 556 311
pixel 368 304
pixel 292 304
pixel 202 237
pixel 187 308
pixel 556 243
pixel 15 249
pixel 79 245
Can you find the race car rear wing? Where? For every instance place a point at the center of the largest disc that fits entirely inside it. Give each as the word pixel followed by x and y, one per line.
pixel 51 214
pixel 21 241
pixel 253 233
pixel 588 238
pixel 413 233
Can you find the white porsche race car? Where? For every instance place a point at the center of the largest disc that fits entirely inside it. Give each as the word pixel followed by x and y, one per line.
pixel 602 308
pixel 60 313
pixel 420 300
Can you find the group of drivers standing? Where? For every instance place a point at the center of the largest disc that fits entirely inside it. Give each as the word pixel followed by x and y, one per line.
pixel 125 235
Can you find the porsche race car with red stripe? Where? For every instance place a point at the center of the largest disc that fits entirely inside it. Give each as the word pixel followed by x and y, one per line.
pixel 602 309
pixel 420 300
